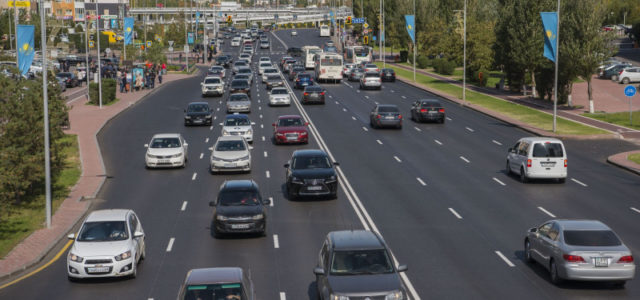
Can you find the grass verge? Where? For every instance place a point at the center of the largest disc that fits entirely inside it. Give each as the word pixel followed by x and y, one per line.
pixel 634 158
pixel 522 113
pixel 27 218
pixel 619 118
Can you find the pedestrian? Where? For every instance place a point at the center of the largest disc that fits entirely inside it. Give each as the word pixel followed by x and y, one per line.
pixel 180 57
pixel 160 76
pixel 123 82
pixel 164 68
pixel 152 78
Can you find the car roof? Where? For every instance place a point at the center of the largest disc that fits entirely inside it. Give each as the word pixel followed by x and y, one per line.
pixel 313 88
pixel 429 100
pixel 108 215
pixel 581 225
pixel 237 116
pixel 541 139
pixel 166 135
pixel 355 239
pixel 387 105
pixel 198 103
pixel 239 184
pixel 214 275
pixel 289 117
pixel 230 138
pixel 309 152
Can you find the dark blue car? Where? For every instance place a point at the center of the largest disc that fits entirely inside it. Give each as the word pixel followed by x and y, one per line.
pixel 302 80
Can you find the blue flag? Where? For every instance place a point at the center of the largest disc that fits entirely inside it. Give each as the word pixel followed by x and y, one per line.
pixel 411 26
pixel 550 27
pixel 197 18
pixel 190 37
pixel 128 31
pixel 114 23
pixel 25 47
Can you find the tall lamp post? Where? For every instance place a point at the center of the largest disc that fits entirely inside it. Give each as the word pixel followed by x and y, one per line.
pixel 99 63
pixel 555 89
pixel 464 56
pixel 87 70
pixel 45 99
pixel 414 42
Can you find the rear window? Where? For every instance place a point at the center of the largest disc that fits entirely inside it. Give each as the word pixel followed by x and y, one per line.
pixel 387 109
pixel 279 92
pixel 547 150
pixel 302 75
pixel 371 75
pixel 241 83
pixel 211 80
pixel 239 97
pixel 591 238
pixel 431 104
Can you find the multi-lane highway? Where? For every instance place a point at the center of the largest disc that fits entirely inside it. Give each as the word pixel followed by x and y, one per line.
pixel 439 195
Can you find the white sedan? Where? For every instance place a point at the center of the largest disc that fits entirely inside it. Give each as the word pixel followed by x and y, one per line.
pixel 279 96
pixel 166 150
pixel 230 153
pixel 110 243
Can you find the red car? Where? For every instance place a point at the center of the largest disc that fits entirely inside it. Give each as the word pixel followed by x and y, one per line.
pixel 290 129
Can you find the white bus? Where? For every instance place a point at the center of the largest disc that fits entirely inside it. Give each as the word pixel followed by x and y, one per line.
pixel 328 67
pixel 324 30
pixel 358 54
pixel 309 52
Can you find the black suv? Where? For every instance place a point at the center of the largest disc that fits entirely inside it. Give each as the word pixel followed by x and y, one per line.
pixel 311 173
pixel 239 208
pixel 197 113
pixel 223 61
pixel 357 263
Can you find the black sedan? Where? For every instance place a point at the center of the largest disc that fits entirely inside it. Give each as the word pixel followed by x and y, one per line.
pixel 69 79
pixel 313 94
pixel 311 173
pixel 385 115
pixel 239 208
pixel 197 113
pixel 223 61
pixel 427 110
pixel 388 75
pixel 240 86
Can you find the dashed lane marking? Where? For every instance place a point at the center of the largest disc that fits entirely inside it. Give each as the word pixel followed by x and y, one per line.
pixel 635 209
pixel 397 159
pixel 170 244
pixel 379 142
pixel 206 140
pixel 421 181
pixel 438 142
pixel 211 127
pixel 276 243
pixel 201 155
pixel 194 176
pixel 455 213
pixel 404 97
pixel 184 206
pixel 271 201
pixel 418 129
pixel 283 296
pixel 365 128
pixel 265 154
pixel 579 182
pixel 263 138
pixel 344 109
pixel 354 118
pixel 261 125
pixel 546 212
pixel 471 130
pixel 465 159
pixel 268 174
pixel 506 260
pixel 496 142
pixel 449 119
pixel 498 181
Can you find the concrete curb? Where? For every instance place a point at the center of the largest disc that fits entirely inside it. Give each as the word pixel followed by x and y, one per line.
pixel 620 160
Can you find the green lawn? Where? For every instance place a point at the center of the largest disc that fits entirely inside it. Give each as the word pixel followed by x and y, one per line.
pixel 27 218
pixel 525 114
pixel 634 158
pixel 620 118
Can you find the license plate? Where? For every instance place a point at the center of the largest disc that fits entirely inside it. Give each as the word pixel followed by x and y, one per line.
pixel 389 117
pixel 547 164
pixel 314 188
pixel 230 165
pixel 602 262
pixel 98 270
pixel 240 226
pixel 163 161
pixel 197 121
pixel 433 112
pixel 292 138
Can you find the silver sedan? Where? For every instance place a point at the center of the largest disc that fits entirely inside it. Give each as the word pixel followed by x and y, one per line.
pixel 585 250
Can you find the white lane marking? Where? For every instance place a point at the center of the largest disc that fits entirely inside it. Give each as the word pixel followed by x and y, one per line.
pixel 331 97
pixel 498 181
pixel 261 126
pixel 358 91
pixel 271 201
pixel 455 213
pixel 365 128
pixel 393 91
pixel 263 138
pixel 505 259
pixel 344 109
pixel 397 159
pixel 184 206
pixel 496 142
pixel 283 296
pixel 366 97
pixel 418 129
pixel 206 140
pixel 469 129
pixel 268 174
pixel 211 127
pixel 170 244
pixel 215 117
pixel 260 108
pixel 376 102
pixel 449 119
pixel 258 100
pixel 354 118
pixel 201 155
pixel 276 243
pixel 578 182
pixel 194 176
pixel 635 209
pixel 265 154
pixel 546 212
pixel 337 102
pixel 438 142
pixel 260 116
pixel 218 109
pixel 463 158
pixel 379 142
pixel 421 182
pixel 403 97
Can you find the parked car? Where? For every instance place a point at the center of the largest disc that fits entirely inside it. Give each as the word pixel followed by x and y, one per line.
pixel 427 110
pixel 239 208
pixel 230 153
pixel 357 264
pixel 310 172
pixel 69 78
pixel 279 96
pixel 62 83
pixel 385 115
pixel 313 94
pixel 166 150
pixel 290 129
pixel 629 75
pixel 586 250
pixel 538 157
pixel 197 113
pixel 231 283
pixel 612 72
pixel 110 243
pixel 388 75
pixel 238 124
pixel 302 80
pixel 370 80
pixel 212 85
pixel 238 102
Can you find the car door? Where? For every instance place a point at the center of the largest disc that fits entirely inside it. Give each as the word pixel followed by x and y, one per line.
pixel 522 154
pixel 539 246
pixel 323 262
pixel 133 227
pixel 512 157
pixel 373 113
pixel 185 147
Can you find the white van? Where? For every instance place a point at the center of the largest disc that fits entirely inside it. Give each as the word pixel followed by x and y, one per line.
pixel 538 157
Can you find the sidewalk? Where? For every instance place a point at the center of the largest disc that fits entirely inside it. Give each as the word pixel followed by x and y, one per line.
pixel 86 121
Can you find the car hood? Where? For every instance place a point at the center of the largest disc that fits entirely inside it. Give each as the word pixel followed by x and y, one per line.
pixel 164 151
pixel 279 96
pixel 236 211
pixel 229 154
pixel 238 103
pixel 236 128
pixel 291 129
pixel 87 249
pixel 313 173
pixel 365 284
pixel 196 114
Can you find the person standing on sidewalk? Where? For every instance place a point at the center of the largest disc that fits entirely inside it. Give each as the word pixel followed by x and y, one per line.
pixel 160 76
pixel 123 82
pixel 164 69
pixel 152 77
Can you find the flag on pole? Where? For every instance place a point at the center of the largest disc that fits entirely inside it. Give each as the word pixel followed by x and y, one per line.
pixel 128 30
pixel 197 18
pixel 550 27
pixel 25 47
pixel 411 26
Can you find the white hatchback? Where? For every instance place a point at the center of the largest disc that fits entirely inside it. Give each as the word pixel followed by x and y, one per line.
pixel 538 157
pixel 166 150
pixel 629 75
pixel 110 243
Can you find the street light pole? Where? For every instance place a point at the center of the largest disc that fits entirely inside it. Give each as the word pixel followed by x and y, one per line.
pixel 464 58
pixel 86 52
pixel 384 40
pixel 15 23
pixel 45 100
pixel 10 34
pixel 555 89
pixel 99 63
pixel 380 32
pixel 415 32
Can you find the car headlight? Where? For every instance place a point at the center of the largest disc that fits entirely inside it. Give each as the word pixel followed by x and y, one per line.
pixel 332 178
pixel 244 157
pixel 123 256
pixel 177 155
pixel 258 217
pixel 225 132
pixel 338 297
pixel 279 134
pixel 208 116
pixel 303 133
pixel 187 117
pixel 249 131
pixel 151 155
pixel 221 218
pixel 395 295
pixel 296 180
pixel 75 258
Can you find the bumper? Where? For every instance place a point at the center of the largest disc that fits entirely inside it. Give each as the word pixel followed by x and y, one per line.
pixel 282 139
pixel 325 189
pixel 546 174
pixel 199 121
pixel 223 166
pixel 248 226
pixel 388 78
pixel 275 84
pixel 371 85
pixel 590 273
pixel 164 162
pixel 300 85
pixel 431 117
pixel 113 269
pixel 389 123
pixel 313 100
pixel 239 109
pixel 280 101
pixel 217 92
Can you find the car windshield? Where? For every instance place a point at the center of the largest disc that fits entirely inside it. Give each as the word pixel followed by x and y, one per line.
pixel 300 76
pixel 222 59
pixel 273 78
pixel 387 109
pixel 241 76
pixel 279 92
pixel 212 80
pixel 547 150
pixel 198 108
pixel 238 97
pixel 104 231
pixel 220 291
pixel 241 84
pixel 230 146
pixel 286 122
pixel 361 262
pixel 244 71
pixel 270 71
pixel 371 75
pixel 165 143
pixel 591 238
pixel 238 197
pixel 237 122
pixel 311 162
pixel 265 65
pixel 241 63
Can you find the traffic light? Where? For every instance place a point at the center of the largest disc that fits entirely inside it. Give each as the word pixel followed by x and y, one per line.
pixel 348 20
pixel 365 40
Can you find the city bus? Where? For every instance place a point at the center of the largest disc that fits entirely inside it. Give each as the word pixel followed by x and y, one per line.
pixel 308 52
pixel 324 30
pixel 358 54
pixel 328 67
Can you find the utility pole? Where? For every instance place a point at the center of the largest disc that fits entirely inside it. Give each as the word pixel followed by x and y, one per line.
pixel 45 99
pixel 464 59
pixel 124 41
pixel 9 16
pixel 15 23
pixel 383 38
pixel 87 71
pixel 99 63
pixel 555 90
pixel 414 41
pixel 380 32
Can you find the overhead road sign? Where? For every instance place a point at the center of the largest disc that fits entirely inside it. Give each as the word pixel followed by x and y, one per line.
pixel 358 20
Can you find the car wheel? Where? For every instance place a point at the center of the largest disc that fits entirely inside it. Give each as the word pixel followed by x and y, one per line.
pixel 442 121
pixel 135 271
pixel 290 194
pixel 527 252
pixel 562 180
pixel 144 254
pixel 625 80
pixel 553 272
pixel 619 284
pixel 523 175
pixel 217 234
pixel 508 168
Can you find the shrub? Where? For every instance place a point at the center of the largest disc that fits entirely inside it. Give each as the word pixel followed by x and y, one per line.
pixel 404 55
pixel 422 62
pixel 108 91
pixel 444 66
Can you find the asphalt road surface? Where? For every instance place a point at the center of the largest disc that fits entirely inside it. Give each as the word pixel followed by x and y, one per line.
pixel 438 193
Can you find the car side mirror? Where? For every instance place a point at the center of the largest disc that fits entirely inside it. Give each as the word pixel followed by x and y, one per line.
pixel 335 163
pixel 212 203
pixel 533 230
pixel 138 234
pixel 253 123
pixel 402 268
pixel 511 150
pixel 186 145
pixel 318 271
pixel 221 124
pixel 146 145
pixel 266 202
pixel 71 236
pixel 250 147
pixel 286 165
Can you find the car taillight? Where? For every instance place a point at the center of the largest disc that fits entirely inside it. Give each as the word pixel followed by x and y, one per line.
pixel 573 258
pixel 297 80
pixel 626 259
pixel 441 110
pixel 619 73
pixel 400 117
pixel 322 93
pixel 423 110
pixel 565 163
pixel 378 116
pixel 306 94
pixel 528 163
